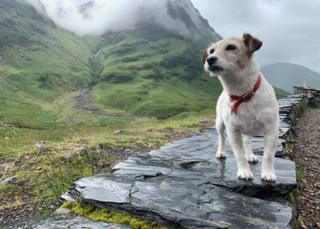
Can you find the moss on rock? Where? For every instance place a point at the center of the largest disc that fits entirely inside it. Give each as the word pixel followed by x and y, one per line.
pixel 106 215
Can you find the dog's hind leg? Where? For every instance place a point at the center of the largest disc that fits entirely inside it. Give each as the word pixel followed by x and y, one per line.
pixel 267 169
pixel 251 158
pixel 244 171
pixel 220 129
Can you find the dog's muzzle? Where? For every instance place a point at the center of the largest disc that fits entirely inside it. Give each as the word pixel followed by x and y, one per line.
pixel 212 62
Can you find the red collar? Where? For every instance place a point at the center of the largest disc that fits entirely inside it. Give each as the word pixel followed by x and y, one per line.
pixel 245 97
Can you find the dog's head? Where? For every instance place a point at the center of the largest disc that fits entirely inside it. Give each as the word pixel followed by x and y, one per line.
pixel 230 55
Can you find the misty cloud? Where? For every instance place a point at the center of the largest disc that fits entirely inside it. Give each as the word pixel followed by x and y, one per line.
pixel 95 17
pixel 99 16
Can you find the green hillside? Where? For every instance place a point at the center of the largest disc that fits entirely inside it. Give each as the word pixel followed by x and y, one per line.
pixel 152 72
pixel 144 72
pixel 39 62
pixel 50 77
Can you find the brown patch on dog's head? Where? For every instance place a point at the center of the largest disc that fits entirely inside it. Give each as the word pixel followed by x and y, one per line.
pixel 252 43
pixel 205 54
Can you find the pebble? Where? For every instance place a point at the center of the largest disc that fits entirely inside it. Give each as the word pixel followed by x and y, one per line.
pixel 10 180
pixel 117 132
pixel 6 166
pixel 62 211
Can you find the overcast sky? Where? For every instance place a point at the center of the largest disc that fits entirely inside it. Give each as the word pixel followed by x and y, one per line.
pixel 290 29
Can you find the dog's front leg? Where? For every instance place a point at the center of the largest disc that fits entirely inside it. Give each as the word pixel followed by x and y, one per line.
pixel 267 169
pixel 244 171
pixel 251 158
pixel 220 129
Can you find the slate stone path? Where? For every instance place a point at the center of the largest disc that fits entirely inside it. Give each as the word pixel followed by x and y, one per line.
pixel 185 186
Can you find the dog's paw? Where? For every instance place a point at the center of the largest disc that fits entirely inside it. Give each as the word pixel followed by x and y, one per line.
pixel 268 176
pixel 221 155
pixel 252 159
pixel 245 174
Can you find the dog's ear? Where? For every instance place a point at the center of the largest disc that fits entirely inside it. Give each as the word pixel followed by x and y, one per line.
pixel 252 43
pixel 204 56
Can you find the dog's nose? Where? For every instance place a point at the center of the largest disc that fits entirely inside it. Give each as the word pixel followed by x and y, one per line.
pixel 212 60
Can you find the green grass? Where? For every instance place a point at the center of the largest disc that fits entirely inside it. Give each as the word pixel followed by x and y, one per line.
pixel 15 141
pixel 46 176
pixel 299 175
pixel 161 99
pixel 281 93
pixel 314 104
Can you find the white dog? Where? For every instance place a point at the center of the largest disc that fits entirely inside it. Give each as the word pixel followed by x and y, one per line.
pixel 247 106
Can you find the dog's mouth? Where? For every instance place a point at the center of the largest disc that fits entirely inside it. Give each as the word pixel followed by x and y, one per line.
pixel 215 68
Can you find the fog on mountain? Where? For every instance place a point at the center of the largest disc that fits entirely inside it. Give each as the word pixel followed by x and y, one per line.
pixel 95 17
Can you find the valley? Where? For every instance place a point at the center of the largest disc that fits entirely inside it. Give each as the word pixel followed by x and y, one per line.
pixel 92 100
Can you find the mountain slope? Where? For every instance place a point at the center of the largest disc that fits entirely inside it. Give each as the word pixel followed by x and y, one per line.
pixel 39 62
pixel 287 75
pixel 154 70
pixel 51 77
pixel 150 71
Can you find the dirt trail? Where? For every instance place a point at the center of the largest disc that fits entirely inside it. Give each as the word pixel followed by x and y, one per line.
pixel 84 100
pixel 307 153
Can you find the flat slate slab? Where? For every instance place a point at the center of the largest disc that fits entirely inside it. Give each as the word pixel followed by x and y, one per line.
pixel 75 222
pixel 65 221
pixel 184 203
pixel 184 185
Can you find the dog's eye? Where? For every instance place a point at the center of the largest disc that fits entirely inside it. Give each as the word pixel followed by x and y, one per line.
pixel 211 51
pixel 231 47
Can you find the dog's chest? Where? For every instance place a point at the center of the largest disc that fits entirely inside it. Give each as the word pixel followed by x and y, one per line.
pixel 249 119
pixel 248 124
